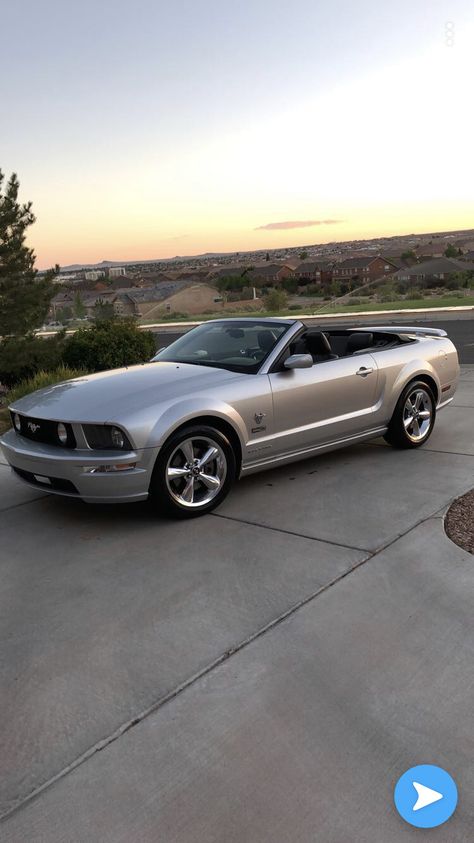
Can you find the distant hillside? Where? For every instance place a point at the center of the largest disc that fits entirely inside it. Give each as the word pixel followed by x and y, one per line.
pixel 383 242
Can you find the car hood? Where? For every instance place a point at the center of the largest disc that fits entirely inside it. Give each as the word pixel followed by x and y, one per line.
pixel 102 397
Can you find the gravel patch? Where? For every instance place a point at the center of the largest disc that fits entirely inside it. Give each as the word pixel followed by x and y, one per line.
pixel 459 522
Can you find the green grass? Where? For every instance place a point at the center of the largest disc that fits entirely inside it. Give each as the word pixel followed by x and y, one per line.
pixel 403 304
pixel 327 309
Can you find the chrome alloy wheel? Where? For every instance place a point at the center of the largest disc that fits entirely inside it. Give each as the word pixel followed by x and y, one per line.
pixel 196 471
pixel 417 414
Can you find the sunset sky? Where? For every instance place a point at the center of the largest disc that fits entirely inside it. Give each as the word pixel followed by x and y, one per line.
pixel 145 130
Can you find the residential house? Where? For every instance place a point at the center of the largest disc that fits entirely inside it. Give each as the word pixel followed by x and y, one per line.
pixel 363 268
pixel 270 273
pixel 314 272
pixel 116 271
pixel 59 302
pixel 116 299
pixel 438 268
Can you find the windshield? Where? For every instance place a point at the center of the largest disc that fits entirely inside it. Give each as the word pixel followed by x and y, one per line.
pixel 237 346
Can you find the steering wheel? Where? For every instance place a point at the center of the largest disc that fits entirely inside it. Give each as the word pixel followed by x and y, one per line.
pixel 252 353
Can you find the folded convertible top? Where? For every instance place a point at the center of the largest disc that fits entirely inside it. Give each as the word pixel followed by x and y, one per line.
pixel 404 329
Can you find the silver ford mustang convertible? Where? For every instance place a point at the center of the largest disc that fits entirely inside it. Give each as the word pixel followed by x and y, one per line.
pixel 230 397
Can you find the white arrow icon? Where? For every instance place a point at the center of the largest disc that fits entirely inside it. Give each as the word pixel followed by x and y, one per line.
pixel 426 796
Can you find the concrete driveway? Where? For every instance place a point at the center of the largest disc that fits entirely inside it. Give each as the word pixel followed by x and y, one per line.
pixel 265 673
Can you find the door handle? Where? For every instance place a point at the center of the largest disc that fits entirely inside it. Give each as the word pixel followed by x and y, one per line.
pixel 363 371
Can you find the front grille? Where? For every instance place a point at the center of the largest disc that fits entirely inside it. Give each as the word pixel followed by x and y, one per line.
pixel 55 483
pixel 43 430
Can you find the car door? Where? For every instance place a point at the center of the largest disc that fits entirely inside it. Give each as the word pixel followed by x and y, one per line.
pixel 331 400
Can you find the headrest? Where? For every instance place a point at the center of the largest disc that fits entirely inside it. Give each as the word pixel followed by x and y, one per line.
pixel 266 340
pixel 362 339
pixel 317 343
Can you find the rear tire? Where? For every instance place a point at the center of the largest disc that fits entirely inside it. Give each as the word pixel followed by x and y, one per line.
pixel 413 418
pixel 193 473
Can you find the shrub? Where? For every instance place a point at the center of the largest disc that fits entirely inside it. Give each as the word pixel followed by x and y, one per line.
pixel 452 284
pixel 108 345
pixel 23 357
pixel 413 294
pixel 276 300
pixel 290 284
pixel 42 379
pixel 401 287
pixel 313 290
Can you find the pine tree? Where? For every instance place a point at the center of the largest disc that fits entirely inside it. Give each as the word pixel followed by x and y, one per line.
pixel 79 307
pixel 24 296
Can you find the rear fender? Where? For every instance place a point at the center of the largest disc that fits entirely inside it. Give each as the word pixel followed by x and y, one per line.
pixel 413 370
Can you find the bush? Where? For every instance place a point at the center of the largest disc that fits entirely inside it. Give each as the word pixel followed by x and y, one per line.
pixel 108 345
pixel 452 284
pixel 290 284
pixel 402 287
pixel 413 294
pixel 42 379
pixel 313 290
pixel 21 358
pixel 276 300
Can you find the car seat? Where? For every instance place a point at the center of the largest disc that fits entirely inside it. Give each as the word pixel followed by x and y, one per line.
pixel 317 344
pixel 359 342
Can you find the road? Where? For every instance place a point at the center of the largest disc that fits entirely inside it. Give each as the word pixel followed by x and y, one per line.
pixel 460 329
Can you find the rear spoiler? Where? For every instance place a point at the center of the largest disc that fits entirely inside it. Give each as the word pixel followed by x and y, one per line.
pixel 405 329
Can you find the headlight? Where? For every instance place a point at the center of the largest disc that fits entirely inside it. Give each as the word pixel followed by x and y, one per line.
pixel 118 439
pixel 16 422
pixel 62 433
pixel 105 437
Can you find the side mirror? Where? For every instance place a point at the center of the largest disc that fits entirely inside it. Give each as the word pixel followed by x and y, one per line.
pixel 298 361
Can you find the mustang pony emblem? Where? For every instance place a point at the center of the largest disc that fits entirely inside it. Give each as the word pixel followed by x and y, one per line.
pixel 33 427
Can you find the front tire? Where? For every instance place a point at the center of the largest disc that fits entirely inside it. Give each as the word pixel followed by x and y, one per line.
pixel 413 418
pixel 193 472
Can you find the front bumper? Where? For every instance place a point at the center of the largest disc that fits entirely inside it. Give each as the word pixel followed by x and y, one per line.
pixel 69 472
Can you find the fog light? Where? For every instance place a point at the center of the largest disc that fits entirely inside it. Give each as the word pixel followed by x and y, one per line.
pixel 108 469
pixel 17 422
pixel 117 437
pixel 62 433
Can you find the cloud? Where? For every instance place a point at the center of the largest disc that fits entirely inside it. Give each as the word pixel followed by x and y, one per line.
pixel 278 226
pixel 175 239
